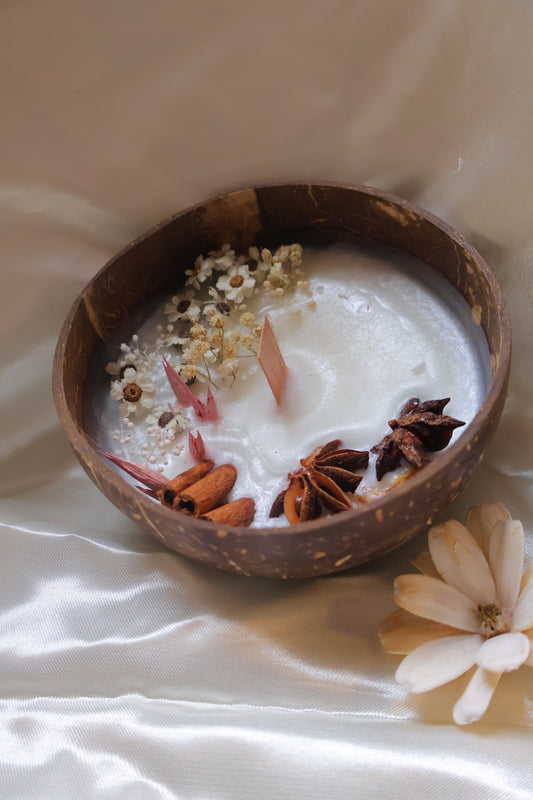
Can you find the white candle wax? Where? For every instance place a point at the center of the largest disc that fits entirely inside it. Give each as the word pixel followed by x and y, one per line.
pixel 385 328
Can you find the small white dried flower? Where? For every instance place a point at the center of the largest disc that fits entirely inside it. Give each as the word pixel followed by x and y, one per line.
pixel 135 391
pixel 182 307
pixel 229 367
pixel 237 284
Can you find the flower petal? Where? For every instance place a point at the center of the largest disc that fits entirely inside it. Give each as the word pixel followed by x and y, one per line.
pixel 481 520
pixel 506 556
pixel 435 663
pixel 424 564
pixel 529 660
pixel 523 613
pixel 476 698
pixel 433 599
pixel 527 577
pixel 401 632
pixel 197 449
pixel 154 480
pixel 460 561
pixel 504 653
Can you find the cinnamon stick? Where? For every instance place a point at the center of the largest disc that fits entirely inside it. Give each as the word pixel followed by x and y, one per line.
pixel 239 513
pixel 206 493
pixel 168 494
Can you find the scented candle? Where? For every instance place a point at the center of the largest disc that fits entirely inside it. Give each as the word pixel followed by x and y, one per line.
pixel 371 329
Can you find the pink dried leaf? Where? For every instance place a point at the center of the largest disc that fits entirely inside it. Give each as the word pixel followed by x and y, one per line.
pixel 154 480
pixel 207 410
pixel 210 406
pixel 181 390
pixel 197 446
pixel 150 492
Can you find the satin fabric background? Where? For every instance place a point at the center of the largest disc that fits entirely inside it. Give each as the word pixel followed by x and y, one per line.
pixel 127 671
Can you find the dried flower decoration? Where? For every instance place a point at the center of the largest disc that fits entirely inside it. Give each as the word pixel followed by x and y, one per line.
pixel 472 607
pixel 153 480
pixel 204 410
pixel 207 329
pixel 182 307
pixel 134 390
pixel 197 448
pixel 237 283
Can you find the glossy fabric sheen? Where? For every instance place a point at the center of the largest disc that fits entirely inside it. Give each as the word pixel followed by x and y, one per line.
pixel 127 671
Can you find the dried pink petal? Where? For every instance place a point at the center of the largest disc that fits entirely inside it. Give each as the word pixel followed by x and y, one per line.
pixel 183 394
pixel 154 480
pixel 211 409
pixel 150 492
pixel 185 397
pixel 197 446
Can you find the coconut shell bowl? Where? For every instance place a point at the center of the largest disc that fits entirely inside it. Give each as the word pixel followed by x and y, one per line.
pixel 314 215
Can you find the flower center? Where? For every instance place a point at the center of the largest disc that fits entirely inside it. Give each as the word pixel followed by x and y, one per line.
pixel 236 281
pixel 492 620
pixel 182 306
pixel 132 392
pixel 165 418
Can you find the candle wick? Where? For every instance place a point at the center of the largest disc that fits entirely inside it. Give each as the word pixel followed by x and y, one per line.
pixel 271 361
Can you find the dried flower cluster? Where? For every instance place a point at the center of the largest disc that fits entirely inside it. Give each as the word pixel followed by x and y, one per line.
pixel 470 609
pixel 205 332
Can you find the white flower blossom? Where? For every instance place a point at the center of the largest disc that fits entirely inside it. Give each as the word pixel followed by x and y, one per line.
pixel 183 307
pixel 470 608
pixel 135 391
pixel 203 269
pixel 237 283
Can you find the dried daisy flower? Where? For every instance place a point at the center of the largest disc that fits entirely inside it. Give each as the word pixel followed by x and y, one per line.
pixel 135 391
pixel 224 258
pixel 470 608
pixel 202 270
pixel 182 307
pixel 236 284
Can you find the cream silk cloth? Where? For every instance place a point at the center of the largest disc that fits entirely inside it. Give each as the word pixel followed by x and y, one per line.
pixel 127 671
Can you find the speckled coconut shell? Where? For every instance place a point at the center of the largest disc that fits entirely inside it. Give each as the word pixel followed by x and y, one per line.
pixel 313 214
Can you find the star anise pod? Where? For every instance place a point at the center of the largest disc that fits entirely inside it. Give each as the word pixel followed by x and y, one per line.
pixel 421 428
pixel 320 483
